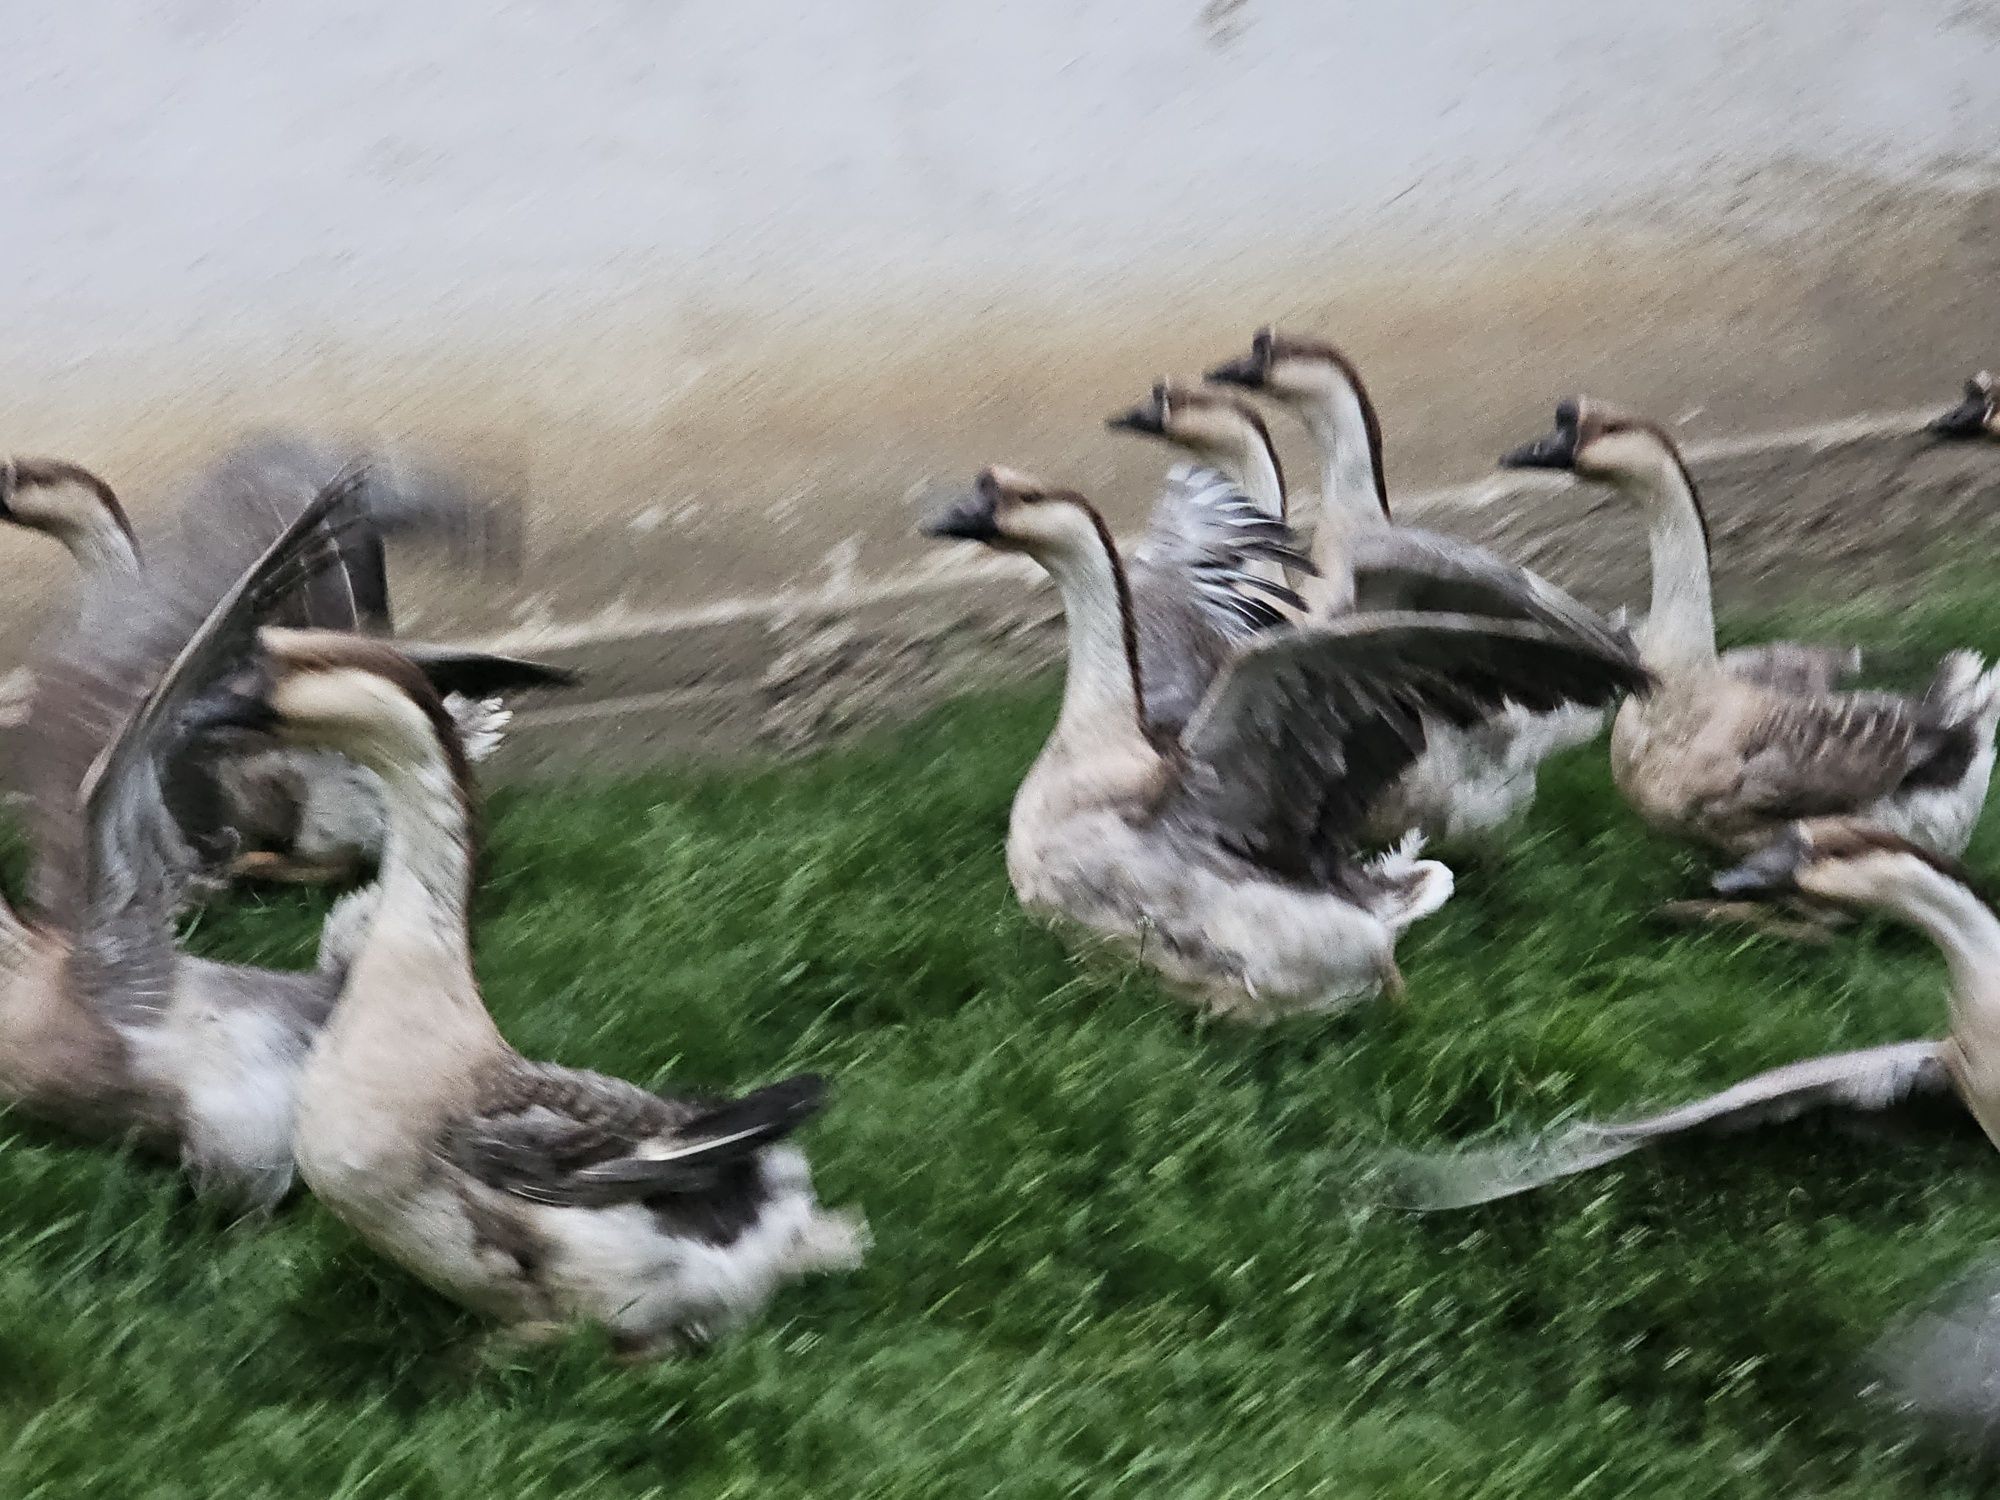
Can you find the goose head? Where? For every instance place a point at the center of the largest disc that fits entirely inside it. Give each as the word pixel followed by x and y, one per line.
pixel 1295 371
pixel 69 503
pixel 337 691
pixel 1595 441
pixel 1977 416
pixel 1214 427
pixel 1844 860
pixel 1015 512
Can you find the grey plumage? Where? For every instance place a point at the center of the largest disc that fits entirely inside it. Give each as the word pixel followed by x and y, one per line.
pixel 1869 1080
pixel 1299 737
pixel 1196 590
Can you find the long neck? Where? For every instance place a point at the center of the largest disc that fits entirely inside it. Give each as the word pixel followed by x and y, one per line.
pixel 426 868
pixel 1255 469
pixel 98 543
pixel 1966 930
pixel 1344 431
pixel 1680 625
pixel 1102 695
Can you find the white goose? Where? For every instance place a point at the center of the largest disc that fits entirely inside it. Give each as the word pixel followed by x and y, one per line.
pixel 539 1195
pixel 1227 854
pixel 1470 781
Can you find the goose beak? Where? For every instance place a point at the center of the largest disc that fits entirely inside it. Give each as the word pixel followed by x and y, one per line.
pixel 969 520
pixel 1248 372
pixel 228 709
pixel 1771 871
pixel 1557 450
pixel 1145 419
pixel 1965 420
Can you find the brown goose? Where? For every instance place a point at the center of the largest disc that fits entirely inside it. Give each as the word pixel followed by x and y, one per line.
pixel 1843 861
pixel 272 814
pixel 1227 855
pixel 1729 759
pixel 539 1195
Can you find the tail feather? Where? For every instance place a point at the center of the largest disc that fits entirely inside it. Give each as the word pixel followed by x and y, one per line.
pixel 1942 1366
pixel 1407 888
pixel 1431 1182
pixel 1966 689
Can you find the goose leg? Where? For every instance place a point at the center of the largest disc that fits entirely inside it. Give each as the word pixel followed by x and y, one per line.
pixel 1795 921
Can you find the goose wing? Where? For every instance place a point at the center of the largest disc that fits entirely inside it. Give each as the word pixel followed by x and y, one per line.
pixel 112 861
pixel 1406 568
pixel 1872 1079
pixel 1810 755
pixel 1305 728
pixel 1793 666
pixel 577 1139
pixel 1197 587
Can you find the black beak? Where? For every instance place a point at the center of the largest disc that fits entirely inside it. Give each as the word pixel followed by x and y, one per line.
pixel 1771 871
pixel 1250 372
pixel 481 674
pixel 1967 419
pixel 228 709
pixel 969 520
pixel 1145 419
pixel 1555 451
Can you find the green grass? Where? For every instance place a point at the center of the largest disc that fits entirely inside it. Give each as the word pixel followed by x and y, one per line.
pixel 1118 1250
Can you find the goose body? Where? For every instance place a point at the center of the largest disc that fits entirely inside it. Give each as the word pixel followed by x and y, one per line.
pixel 1226 855
pixel 1471 780
pixel 267 813
pixel 538 1195
pixel 1728 752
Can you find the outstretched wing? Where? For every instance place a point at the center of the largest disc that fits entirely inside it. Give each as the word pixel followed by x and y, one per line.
pixel 1305 728
pixel 1872 1079
pixel 1202 580
pixel 1408 569
pixel 113 862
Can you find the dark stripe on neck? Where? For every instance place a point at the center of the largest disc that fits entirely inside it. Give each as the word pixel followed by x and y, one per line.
pixel 1693 490
pixel 1128 624
pixel 1263 431
pixel 54 471
pixel 1370 423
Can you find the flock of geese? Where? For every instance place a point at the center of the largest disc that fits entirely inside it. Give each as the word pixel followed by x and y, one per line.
pixel 1269 710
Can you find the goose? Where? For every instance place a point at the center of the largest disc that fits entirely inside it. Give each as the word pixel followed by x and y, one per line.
pixel 1213 566
pixel 276 815
pixel 1976 416
pixel 1322 388
pixel 105 1028
pixel 1729 759
pixel 1226 854
pixel 538 1195
pixel 1854 864
pixel 1470 782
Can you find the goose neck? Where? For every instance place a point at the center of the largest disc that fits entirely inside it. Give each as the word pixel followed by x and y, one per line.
pixel 1680 621
pixel 1102 696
